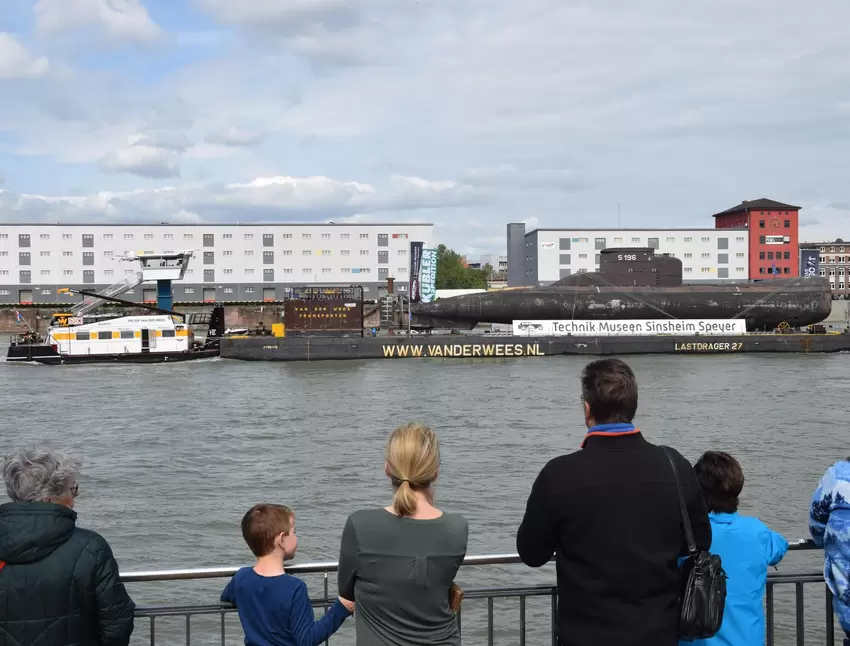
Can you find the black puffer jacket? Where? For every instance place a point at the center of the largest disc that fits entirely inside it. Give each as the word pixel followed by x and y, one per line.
pixel 59 583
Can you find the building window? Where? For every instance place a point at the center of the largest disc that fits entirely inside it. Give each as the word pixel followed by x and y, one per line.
pixel 249 252
pixel 364 236
pixel 306 270
pixel 671 239
pixel 723 259
pixel 787 255
pixel 268 257
pixel 248 236
pixel 740 239
pixel 268 275
pixel 189 290
pixel 209 239
pixel 326 252
pixel 636 240
pixel 287 236
pixel 740 269
pixel 652 243
pixel 740 254
pixel 148 236
pixel 45 254
pixel 107 254
pixel 4 253
pixel 24 240
pixel 228 272
pixel 786 270
pixel 307 252
pixel 227 253
pixel 564 244
pixel 228 290
pixel 723 272
pixel 383 257
pixel 326 236
pixel 383 273
pixel 344 236
pixel 761 270
pixel 761 224
pixel 45 236
pixel 706 255
pixel 402 270
pixel 287 271
pixel 722 243
pixel 24 258
pixel 227 236
pixel 787 224
pixel 45 272
pixel 364 252
pixel 88 258
pixel 249 290
pixel 306 236
pixel 383 240
pixel 582 256
pixel 128 236
pixel 770 255
pixel 688 270
pixel 67 254
pixel 70 272
pixel 268 240
pixel 287 252
pixel 209 275
pixel 88 276
pixel 326 270
pixel 249 272
pixel 168 236
pixel 67 236
pixel 88 240
pixel 209 257
pixel 565 258
pixel 689 239
pixel 762 239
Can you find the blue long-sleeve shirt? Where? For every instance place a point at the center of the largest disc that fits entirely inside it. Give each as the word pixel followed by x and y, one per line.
pixel 747 547
pixel 829 525
pixel 276 610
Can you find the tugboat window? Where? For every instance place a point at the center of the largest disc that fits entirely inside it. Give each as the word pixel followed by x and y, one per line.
pixel 168 334
pixel 83 336
pixel 127 334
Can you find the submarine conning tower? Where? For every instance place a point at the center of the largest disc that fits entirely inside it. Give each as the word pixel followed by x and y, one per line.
pixel 630 267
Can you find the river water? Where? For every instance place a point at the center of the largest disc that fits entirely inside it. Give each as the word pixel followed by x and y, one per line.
pixel 174 455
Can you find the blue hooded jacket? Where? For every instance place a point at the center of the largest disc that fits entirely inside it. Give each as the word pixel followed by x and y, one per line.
pixel 747 547
pixel 829 524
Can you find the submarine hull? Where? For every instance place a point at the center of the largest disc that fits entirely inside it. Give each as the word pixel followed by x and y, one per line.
pixel 765 305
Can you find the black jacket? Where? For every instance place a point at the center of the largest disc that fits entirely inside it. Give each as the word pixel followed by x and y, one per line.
pixel 610 514
pixel 59 584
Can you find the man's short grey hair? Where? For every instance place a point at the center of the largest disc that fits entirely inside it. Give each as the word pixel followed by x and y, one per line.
pixel 39 475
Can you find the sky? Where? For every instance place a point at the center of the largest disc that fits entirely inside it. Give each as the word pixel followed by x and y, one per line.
pixel 468 114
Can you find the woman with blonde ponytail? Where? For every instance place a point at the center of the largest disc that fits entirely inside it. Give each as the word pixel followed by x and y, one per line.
pixel 398 563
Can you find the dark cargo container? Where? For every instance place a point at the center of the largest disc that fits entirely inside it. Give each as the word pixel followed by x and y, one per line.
pixel 319 311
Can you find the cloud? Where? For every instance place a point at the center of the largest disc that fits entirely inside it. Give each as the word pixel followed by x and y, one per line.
pixel 234 136
pixel 16 62
pixel 118 19
pixel 263 199
pixel 144 157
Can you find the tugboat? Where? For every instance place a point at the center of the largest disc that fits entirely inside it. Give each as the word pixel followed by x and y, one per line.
pixel 163 336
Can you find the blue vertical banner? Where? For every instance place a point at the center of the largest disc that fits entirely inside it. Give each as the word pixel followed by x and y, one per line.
pixel 415 262
pixel 809 262
pixel 428 275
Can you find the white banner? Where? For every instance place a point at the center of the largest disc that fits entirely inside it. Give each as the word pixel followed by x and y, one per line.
pixel 630 327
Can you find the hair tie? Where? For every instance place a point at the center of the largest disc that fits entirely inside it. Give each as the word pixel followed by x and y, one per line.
pixel 404 480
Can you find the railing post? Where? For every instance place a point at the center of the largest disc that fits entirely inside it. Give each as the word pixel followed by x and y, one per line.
pixel 153 631
pixel 188 629
pixel 522 620
pixel 801 614
pixel 769 614
pixel 490 621
pixel 830 619
pixel 555 617
pixel 223 615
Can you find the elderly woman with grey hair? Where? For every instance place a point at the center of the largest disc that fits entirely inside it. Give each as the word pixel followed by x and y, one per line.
pixel 58 583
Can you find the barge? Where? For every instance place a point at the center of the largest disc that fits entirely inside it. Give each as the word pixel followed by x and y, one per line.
pixel 490 347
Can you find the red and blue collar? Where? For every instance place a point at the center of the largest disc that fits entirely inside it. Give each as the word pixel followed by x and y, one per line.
pixel 610 430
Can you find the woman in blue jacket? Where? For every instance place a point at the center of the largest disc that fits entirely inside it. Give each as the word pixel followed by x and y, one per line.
pixel 746 546
pixel 829 524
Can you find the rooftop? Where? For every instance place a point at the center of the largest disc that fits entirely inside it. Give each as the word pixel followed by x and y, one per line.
pixel 627 230
pixel 217 224
pixel 762 204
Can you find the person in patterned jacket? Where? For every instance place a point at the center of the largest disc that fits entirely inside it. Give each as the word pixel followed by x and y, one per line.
pixel 829 524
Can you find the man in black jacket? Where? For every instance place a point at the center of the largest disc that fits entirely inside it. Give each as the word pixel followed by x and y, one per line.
pixel 58 583
pixel 610 514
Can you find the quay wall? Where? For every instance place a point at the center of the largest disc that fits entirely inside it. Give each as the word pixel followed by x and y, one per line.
pixel 492 347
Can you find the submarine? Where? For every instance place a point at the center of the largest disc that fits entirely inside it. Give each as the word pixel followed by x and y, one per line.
pixel 637 283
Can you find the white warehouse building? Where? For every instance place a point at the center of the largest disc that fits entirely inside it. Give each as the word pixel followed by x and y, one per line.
pixel 232 262
pixel 543 256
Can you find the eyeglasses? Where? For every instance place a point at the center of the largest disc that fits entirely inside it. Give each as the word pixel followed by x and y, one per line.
pixel 75 490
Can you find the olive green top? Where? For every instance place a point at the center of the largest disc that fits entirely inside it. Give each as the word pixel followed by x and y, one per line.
pixel 398 571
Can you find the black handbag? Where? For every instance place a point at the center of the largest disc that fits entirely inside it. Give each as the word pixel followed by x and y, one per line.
pixel 702 582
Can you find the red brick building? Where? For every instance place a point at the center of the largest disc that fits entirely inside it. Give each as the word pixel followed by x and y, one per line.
pixel 773 236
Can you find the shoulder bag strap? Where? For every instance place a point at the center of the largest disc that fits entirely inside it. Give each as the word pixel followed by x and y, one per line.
pixel 686 520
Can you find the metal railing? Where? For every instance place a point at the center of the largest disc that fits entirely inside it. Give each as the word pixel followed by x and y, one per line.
pixel 485 626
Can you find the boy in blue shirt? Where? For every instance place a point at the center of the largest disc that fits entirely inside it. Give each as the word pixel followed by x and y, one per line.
pixel 829 524
pixel 273 606
pixel 746 546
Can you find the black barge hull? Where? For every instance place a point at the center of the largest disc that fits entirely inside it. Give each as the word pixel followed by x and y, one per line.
pixel 142 357
pixel 491 347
